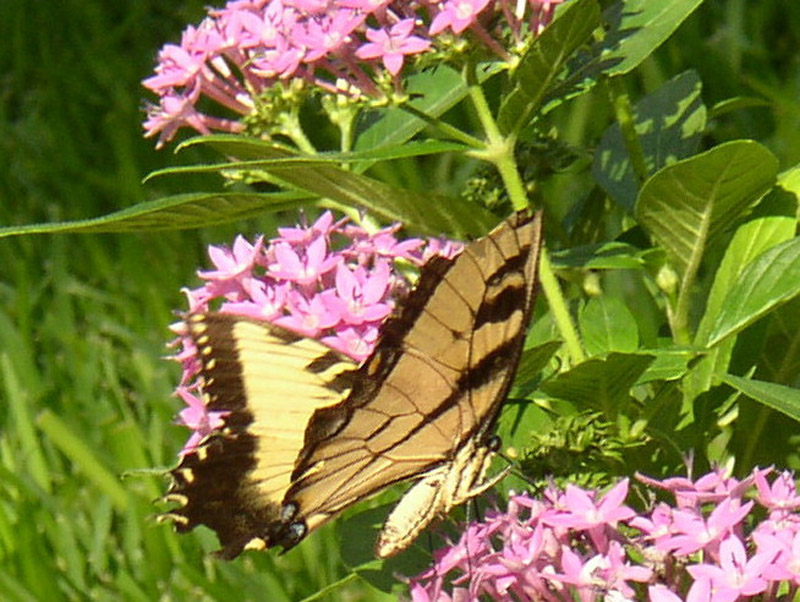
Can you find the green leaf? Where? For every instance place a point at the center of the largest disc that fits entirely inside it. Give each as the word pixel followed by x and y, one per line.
pixel 669 123
pixel 426 213
pixel 542 63
pixel 602 384
pixel 182 211
pixel 767 282
pixel 608 325
pixel 532 362
pixel 749 241
pixel 638 27
pixel 633 31
pixel 669 364
pixel 358 532
pixel 686 205
pixel 602 256
pixel 778 397
pixel 83 457
pixel 433 91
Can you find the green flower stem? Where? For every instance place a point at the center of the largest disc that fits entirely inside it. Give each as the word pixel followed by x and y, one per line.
pixel 291 127
pixel 500 151
pixel 559 309
pixel 447 129
pixel 623 111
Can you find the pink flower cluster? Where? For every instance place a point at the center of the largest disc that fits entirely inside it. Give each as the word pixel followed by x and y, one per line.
pixel 710 545
pixel 339 46
pixel 330 281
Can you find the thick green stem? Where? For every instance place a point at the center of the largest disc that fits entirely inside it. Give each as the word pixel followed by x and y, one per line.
pixel 559 310
pixel 446 129
pixel 290 121
pixel 500 151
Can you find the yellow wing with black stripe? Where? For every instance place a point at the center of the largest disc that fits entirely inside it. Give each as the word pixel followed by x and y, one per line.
pixel 269 381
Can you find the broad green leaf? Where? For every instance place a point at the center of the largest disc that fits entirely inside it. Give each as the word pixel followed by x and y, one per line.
pixel 789 181
pixel 602 256
pixel 600 383
pixel 669 123
pixel 686 205
pixel 749 241
pixel 779 359
pixel 173 213
pixel 638 27
pixel 778 397
pixel 357 533
pixel 633 31
pixel 669 364
pixel 544 61
pixel 532 362
pixel 772 279
pixel 427 213
pixel 608 325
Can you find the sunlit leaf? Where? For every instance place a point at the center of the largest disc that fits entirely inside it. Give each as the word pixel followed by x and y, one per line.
pixel 545 59
pixel 175 212
pixel 608 325
pixel 685 205
pixel 778 397
pixel 668 122
pixel 767 282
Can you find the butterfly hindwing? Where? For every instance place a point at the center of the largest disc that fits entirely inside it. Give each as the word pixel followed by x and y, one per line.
pixel 268 381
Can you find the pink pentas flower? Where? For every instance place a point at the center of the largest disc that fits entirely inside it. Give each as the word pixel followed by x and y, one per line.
pixel 234 262
pixel 355 342
pixel 392 45
pixel 578 569
pixel 736 575
pixel 197 417
pixel 326 34
pixel 308 317
pixel 693 532
pixel 323 227
pixel 786 567
pixel 326 281
pixel 781 495
pixel 303 268
pixel 457 15
pixel 582 513
pixel 264 300
pixel 359 294
pixel 616 571
pixel 660 593
pixel 238 53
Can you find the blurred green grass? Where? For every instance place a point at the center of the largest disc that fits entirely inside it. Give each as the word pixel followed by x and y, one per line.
pixel 85 406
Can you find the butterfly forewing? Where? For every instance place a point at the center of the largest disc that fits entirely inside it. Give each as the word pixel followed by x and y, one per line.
pixel 434 384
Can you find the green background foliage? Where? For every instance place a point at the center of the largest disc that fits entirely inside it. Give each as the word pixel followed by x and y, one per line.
pixel 85 406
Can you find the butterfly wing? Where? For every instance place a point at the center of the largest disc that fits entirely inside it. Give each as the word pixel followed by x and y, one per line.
pixel 269 381
pixel 426 400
